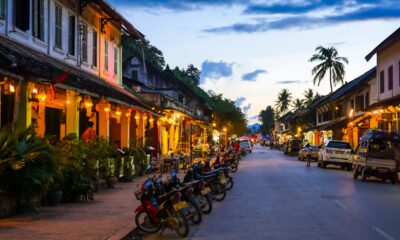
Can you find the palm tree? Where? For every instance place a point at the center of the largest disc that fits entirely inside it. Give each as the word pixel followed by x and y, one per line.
pixel 283 101
pixel 309 97
pixel 329 62
pixel 298 103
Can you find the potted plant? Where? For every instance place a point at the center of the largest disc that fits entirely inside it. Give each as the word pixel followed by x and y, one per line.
pixel 27 164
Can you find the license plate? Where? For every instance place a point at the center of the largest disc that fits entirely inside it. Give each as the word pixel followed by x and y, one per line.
pixel 223 181
pixel 180 205
pixel 205 191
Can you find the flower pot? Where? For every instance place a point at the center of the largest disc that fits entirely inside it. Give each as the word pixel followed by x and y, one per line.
pixel 111 181
pixel 54 197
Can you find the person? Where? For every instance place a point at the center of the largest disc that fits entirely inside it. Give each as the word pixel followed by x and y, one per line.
pixel 308 154
pixel 89 134
pixel 236 146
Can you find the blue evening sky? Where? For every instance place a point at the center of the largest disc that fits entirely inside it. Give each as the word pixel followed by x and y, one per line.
pixel 249 50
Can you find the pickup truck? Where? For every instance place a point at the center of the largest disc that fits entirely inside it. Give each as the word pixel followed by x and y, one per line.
pixel 375 156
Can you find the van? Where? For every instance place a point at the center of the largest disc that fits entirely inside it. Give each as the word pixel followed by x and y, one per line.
pixel 375 156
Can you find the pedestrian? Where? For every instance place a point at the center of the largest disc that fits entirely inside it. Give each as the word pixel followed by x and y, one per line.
pixel 89 134
pixel 308 154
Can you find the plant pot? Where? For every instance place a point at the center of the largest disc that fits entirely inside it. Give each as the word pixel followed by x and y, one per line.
pixel 111 181
pixel 8 206
pixel 54 197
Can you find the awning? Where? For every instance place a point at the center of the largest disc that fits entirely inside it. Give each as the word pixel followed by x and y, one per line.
pixel 21 60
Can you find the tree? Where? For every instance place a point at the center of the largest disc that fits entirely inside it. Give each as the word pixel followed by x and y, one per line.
pixel 298 104
pixel 193 73
pixel 140 49
pixel 309 97
pixel 329 61
pixel 266 117
pixel 283 101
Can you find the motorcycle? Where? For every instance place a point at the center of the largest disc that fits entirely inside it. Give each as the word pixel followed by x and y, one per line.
pixel 156 213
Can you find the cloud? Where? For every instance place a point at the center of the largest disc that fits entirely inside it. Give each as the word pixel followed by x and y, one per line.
pixel 215 70
pixel 177 5
pixel 255 117
pixel 252 76
pixel 239 101
pixel 341 12
pixel 292 82
pixel 246 108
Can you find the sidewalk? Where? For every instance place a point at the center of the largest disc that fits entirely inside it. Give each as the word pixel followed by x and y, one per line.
pixel 109 216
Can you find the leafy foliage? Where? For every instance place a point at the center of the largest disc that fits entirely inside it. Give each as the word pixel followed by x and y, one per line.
pixel 283 102
pixel 27 163
pixel 136 48
pixel 266 117
pixel 329 61
pixel 298 104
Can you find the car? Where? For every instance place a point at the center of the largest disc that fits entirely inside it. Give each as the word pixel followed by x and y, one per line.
pixel 246 145
pixel 337 153
pixel 375 156
pixel 314 153
pixel 292 146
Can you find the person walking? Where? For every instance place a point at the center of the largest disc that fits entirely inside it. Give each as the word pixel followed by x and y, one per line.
pixel 308 154
pixel 89 134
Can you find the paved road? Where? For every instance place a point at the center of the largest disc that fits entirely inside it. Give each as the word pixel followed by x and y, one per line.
pixel 277 197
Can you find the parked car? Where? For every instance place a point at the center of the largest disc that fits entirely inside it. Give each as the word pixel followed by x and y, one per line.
pixel 246 145
pixel 336 153
pixel 292 146
pixel 375 156
pixel 314 153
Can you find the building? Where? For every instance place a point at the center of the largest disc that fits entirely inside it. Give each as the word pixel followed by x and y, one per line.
pixel 341 115
pixel 61 67
pixel 187 117
pixel 385 109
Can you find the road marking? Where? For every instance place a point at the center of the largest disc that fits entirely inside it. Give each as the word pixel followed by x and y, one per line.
pixel 317 188
pixel 385 235
pixel 341 204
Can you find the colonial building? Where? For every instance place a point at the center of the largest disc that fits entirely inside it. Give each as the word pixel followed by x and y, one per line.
pixel 61 67
pixel 387 93
pixel 187 117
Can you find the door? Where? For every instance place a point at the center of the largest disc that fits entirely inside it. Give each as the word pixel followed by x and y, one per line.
pixel 53 120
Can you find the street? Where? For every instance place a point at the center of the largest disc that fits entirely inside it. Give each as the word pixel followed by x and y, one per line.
pixel 277 197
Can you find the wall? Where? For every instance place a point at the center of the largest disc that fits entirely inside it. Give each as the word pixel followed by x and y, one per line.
pixel 386 58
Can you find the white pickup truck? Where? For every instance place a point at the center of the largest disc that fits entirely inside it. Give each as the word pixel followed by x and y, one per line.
pixel 375 156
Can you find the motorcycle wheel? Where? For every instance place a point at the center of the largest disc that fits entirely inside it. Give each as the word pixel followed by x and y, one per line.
pixel 146 226
pixel 233 167
pixel 194 211
pixel 183 226
pixel 219 192
pixel 205 204
pixel 229 185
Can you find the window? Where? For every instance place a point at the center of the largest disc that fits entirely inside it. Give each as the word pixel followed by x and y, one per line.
pixel 367 100
pixel 38 19
pixel 84 41
pixel 115 61
pixel 71 35
pixel 94 54
pixel 106 54
pixel 382 82
pixel 58 26
pixel 21 10
pixel 2 9
pixel 390 77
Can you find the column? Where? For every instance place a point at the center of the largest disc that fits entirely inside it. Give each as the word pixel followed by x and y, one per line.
pixel 72 113
pixel 164 140
pixel 125 128
pixel 140 128
pixel 171 136
pixel 104 119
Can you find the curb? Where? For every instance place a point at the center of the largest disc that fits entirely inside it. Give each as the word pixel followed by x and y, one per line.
pixel 122 233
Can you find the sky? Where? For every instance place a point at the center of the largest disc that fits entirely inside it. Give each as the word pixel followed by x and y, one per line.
pixel 249 50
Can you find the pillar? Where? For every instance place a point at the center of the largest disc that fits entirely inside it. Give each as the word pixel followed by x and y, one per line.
pixel 24 111
pixel 140 128
pixel 176 137
pixel 104 119
pixel 164 140
pixel 125 128
pixel 72 113
pixel 171 136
